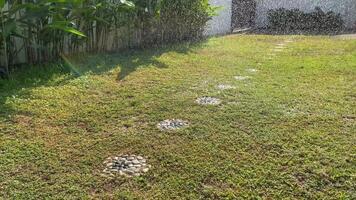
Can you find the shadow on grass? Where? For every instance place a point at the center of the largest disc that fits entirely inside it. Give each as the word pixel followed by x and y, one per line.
pixel 21 82
pixel 127 61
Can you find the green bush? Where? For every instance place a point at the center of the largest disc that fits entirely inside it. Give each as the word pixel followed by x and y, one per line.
pixel 318 21
pixel 175 20
pixel 184 19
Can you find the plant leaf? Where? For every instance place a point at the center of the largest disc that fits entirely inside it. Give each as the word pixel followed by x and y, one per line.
pixel 66 29
pixel 2 3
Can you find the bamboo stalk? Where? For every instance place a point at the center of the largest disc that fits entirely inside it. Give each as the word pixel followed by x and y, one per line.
pixel 5 43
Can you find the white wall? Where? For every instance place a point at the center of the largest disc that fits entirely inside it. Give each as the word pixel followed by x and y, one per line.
pixel 347 8
pixel 220 24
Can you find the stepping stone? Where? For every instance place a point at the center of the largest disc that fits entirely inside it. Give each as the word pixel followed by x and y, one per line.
pixel 208 101
pixel 242 78
pixel 252 70
pixel 279 47
pixel 124 165
pixel 172 124
pixel 278 50
pixel 225 87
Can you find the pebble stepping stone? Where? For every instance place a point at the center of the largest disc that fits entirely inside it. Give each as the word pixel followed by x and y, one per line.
pixel 225 87
pixel 252 70
pixel 242 78
pixel 125 165
pixel 172 124
pixel 208 101
pixel 278 50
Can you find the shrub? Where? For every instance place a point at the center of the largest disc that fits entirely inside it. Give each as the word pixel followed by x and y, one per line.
pixel 177 20
pixel 184 19
pixel 317 21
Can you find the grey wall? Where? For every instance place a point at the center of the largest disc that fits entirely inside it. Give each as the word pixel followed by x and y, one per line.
pixel 220 24
pixel 347 8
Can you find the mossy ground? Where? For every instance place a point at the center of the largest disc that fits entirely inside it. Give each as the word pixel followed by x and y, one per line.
pixel 288 132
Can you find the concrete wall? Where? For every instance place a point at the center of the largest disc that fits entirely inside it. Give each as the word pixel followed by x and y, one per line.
pixel 220 24
pixel 347 8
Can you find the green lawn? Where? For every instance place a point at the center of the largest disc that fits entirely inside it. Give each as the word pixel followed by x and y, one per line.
pixel 288 132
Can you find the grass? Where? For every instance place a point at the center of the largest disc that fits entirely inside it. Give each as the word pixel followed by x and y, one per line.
pixel 286 133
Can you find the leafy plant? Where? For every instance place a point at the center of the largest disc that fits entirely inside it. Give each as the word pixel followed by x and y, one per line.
pixel 184 19
pixel 46 29
pixel 317 21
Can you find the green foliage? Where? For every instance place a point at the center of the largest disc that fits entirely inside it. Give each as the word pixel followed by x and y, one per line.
pixel 294 20
pixel 49 28
pixel 184 19
pixel 166 21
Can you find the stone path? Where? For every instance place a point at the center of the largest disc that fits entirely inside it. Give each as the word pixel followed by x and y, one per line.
pixel 280 47
pixel 132 165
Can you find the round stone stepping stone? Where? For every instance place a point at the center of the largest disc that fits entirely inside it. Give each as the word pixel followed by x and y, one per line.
pixel 208 101
pixel 252 70
pixel 225 87
pixel 277 50
pixel 242 78
pixel 172 124
pixel 125 165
